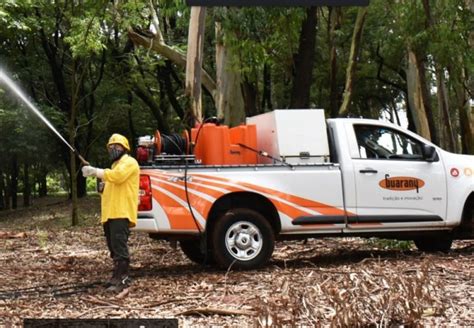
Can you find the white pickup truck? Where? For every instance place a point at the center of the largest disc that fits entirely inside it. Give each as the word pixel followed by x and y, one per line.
pixel 311 178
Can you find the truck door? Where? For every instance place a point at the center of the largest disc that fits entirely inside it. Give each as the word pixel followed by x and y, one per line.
pixel 396 187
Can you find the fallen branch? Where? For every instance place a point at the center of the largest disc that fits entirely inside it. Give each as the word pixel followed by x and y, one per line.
pixel 94 300
pixel 211 311
pixel 93 309
pixel 156 304
pixel 12 235
pixel 123 293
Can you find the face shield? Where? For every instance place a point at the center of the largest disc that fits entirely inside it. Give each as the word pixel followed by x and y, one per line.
pixel 115 151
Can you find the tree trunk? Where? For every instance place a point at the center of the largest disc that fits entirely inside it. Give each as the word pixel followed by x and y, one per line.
pixel 410 118
pixel 334 25
pixel 426 98
pixel 304 61
pixel 353 59
pixel 148 99
pixel 464 83
pixel 250 92
pixel 14 182
pixel 55 65
pixel 165 74
pixel 26 185
pixel 466 114
pixel 444 108
pixel 2 191
pixel 72 139
pixel 172 54
pixel 81 182
pixel 229 95
pixel 7 192
pixel 429 25
pixel 267 89
pixel 131 126
pixel 194 59
pixel 415 98
pixel 42 182
pixel 157 44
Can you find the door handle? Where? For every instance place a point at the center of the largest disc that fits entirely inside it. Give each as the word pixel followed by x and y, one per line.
pixel 368 171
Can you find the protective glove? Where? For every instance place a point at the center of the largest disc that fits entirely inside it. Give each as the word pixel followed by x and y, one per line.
pixel 90 171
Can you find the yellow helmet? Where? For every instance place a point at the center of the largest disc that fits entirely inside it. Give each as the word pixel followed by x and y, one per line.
pixel 119 139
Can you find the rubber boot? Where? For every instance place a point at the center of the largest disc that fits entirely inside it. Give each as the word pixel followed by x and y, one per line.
pixel 123 280
pixel 114 279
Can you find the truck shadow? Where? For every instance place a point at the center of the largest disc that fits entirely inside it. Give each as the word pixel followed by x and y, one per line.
pixel 334 259
pixel 354 257
pixel 174 271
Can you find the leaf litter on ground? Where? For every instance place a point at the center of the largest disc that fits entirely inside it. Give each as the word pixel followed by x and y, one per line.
pixel 54 271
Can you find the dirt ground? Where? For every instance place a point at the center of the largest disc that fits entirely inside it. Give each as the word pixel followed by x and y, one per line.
pixel 51 270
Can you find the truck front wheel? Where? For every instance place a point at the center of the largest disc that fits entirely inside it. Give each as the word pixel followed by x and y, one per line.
pixel 242 239
pixel 434 244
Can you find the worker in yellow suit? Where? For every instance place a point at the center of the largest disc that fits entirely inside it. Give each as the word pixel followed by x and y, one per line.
pixel 119 206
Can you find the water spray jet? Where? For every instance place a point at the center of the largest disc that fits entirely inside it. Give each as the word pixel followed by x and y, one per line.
pixel 17 91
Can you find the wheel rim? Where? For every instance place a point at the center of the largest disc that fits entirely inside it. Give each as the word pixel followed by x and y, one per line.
pixel 243 240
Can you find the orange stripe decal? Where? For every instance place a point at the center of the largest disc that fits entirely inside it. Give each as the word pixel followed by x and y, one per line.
pixel 178 216
pixel 303 202
pixel 200 204
pixel 201 183
pixel 288 210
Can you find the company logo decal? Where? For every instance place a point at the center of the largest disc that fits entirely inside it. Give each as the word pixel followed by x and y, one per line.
pixel 401 183
pixel 454 172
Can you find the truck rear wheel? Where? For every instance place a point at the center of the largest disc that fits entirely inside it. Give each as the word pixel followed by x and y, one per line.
pixel 434 244
pixel 243 239
pixel 192 250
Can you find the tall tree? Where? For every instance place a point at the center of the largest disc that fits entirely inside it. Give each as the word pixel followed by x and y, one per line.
pixel 304 61
pixel 353 59
pixel 194 58
pixel 416 84
pixel 443 106
pixel 230 102
pixel 334 23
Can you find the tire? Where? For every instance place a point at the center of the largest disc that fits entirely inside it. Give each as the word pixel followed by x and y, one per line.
pixel 242 239
pixel 192 250
pixel 468 220
pixel 434 243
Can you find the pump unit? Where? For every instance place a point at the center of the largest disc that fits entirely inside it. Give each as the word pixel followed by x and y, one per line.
pixel 292 135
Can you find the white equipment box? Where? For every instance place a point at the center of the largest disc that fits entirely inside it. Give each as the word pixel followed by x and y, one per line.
pixel 295 136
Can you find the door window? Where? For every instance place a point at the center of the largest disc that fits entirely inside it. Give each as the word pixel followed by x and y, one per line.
pixel 378 142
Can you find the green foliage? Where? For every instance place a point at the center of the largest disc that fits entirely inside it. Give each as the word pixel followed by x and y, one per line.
pixel 56 183
pixel 261 36
pixel 84 42
pixel 390 244
pixel 91 184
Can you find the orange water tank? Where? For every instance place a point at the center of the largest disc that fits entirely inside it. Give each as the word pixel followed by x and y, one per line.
pixel 219 145
pixel 244 135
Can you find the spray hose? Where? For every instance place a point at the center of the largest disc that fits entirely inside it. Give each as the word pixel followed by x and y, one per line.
pixel 264 154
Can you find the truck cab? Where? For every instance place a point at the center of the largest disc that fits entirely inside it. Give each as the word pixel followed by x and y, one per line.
pixel 395 177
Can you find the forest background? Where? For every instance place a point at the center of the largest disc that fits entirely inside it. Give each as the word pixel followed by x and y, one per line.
pixel 99 67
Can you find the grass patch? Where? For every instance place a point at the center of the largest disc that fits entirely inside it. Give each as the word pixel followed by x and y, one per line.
pixel 390 244
pixel 52 212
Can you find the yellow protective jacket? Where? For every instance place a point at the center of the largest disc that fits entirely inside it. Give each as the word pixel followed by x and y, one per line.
pixel 120 195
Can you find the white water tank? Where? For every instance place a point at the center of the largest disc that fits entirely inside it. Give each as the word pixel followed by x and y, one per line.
pixel 295 136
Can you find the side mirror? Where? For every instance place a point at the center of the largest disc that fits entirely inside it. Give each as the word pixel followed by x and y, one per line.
pixel 429 153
